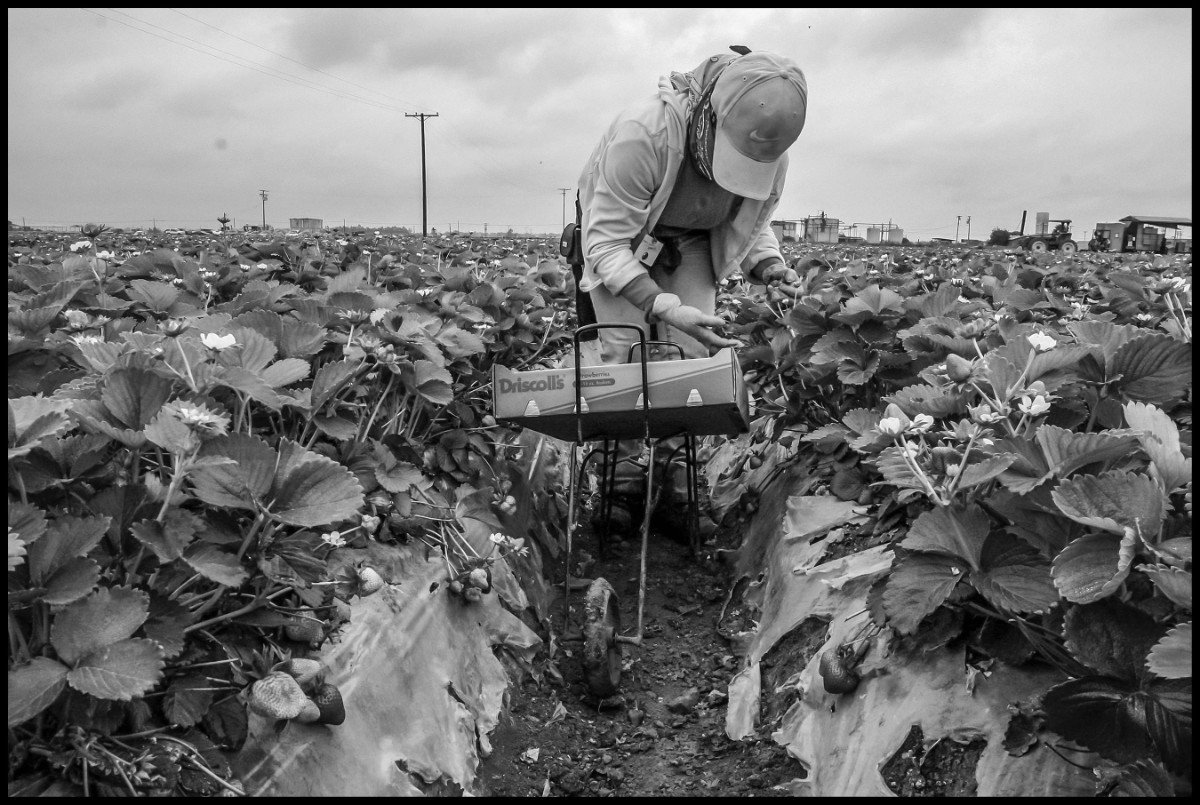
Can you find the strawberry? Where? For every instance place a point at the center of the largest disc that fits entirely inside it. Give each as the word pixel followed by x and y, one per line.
pixel 836 671
pixel 301 669
pixel 481 578
pixel 329 701
pixel 309 713
pixel 369 581
pixel 958 368
pixel 277 695
pixel 305 630
pixel 473 594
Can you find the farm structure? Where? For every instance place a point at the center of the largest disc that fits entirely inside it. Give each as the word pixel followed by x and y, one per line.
pixel 1146 233
pixel 784 230
pixel 821 229
pixel 306 223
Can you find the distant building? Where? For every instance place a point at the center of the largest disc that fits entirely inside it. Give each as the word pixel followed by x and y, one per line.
pixel 305 223
pixel 821 229
pixel 784 230
pixel 885 234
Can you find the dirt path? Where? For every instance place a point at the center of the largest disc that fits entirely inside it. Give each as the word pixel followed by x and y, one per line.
pixel 663 735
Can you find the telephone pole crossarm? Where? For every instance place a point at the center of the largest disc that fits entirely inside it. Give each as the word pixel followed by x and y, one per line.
pixel 424 193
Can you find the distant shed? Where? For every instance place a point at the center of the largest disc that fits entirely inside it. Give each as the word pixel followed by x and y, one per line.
pixel 306 223
pixel 1148 233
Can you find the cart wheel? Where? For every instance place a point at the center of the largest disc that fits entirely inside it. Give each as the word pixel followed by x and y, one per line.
pixel 601 651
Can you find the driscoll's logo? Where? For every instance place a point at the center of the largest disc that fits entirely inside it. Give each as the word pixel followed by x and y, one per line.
pixel 552 383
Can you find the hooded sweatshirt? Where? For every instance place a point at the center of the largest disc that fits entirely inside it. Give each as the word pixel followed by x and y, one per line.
pixel 628 180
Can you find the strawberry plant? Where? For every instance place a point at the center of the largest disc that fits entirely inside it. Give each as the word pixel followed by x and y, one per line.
pixel 1026 423
pixel 195 433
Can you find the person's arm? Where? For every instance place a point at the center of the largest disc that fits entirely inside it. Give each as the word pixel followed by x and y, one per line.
pixel 629 175
pixel 764 262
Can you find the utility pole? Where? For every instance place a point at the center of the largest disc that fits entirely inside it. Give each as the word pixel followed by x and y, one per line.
pixel 424 200
pixel 968 227
pixel 263 193
pixel 956 225
pixel 564 190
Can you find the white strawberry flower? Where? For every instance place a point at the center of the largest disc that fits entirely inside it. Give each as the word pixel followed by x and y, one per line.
pixel 982 414
pixel 1033 406
pixel 890 426
pixel 16 550
pixel 77 319
pixel 1041 342
pixel 921 423
pixel 218 342
pixel 498 538
pixel 334 539
pixel 200 418
pixel 80 245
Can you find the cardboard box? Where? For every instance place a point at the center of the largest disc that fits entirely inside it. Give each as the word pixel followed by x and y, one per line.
pixel 702 396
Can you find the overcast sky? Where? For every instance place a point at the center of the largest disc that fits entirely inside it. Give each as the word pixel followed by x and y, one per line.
pixel 916 116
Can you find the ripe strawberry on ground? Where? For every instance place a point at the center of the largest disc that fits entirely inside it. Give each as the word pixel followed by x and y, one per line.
pixel 329 701
pixel 481 578
pixel 277 695
pixel 302 669
pixel 369 581
pixel 305 630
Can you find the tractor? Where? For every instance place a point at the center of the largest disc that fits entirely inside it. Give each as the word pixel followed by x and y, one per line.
pixel 1057 239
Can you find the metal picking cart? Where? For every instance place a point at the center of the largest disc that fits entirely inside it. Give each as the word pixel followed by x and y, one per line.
pixel 601 631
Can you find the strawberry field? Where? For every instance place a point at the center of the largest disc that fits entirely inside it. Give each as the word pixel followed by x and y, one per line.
pixel 210 438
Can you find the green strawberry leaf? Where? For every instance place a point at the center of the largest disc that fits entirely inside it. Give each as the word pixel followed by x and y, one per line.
pixel 1111 638
pixel 1014 576
pixel 215 564
pixel 1171 657
pixel 958 531
pixel 66 538
pixel 34 687
pixel 1113 501
pixel 312 490
pixel 120 670
pixel 1093 566
pixel 71 582
pixel 919 584
pixel 103 618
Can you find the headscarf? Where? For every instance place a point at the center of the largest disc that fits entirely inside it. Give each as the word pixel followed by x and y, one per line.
pixel 701 133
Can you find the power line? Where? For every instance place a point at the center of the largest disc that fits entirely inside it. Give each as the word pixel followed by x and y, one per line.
pixel 284 75
pixel 302 82
pixel 295 61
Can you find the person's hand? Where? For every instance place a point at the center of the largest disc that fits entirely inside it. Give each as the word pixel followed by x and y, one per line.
pixel 778 272
pixel 704 327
